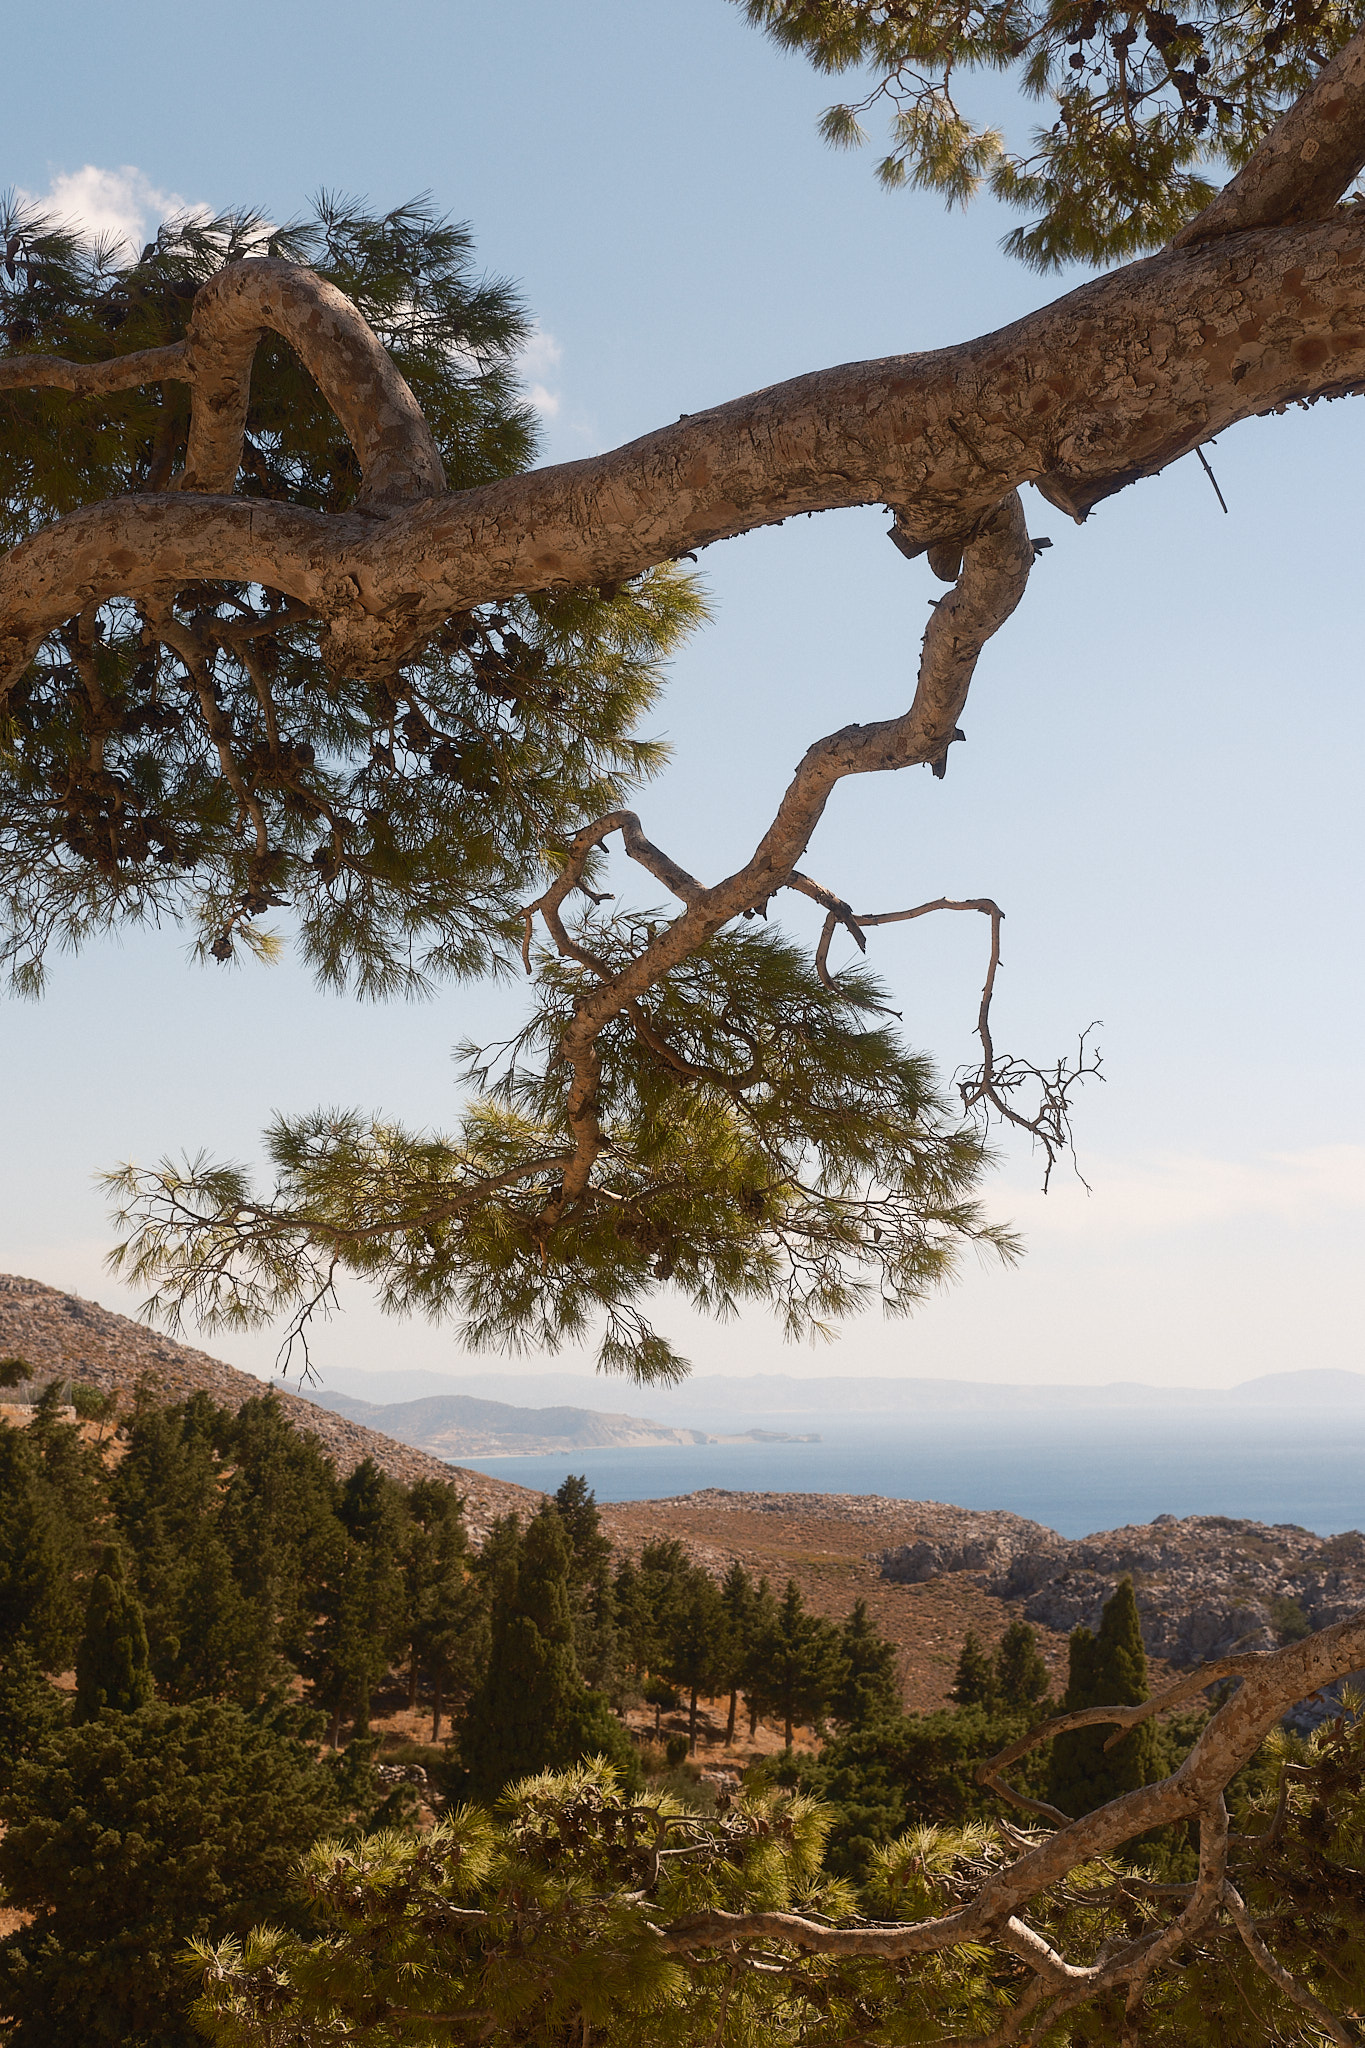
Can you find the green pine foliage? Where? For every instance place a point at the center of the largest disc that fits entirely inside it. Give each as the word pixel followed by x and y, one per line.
pixel 766 1138
pixel 533 1712
pixel 535 1927
pixel 113 1665
pixel 794 1669
pixel 130 1835
pixel 447 1623
pixel 1144 111
pixel 31 1709
pixel 1021 1676
pixel 402 825
pixel 974 1681
pixel 362 1626
pixel 868 1686
pixel 41 1601
pixel 905 1771
pixel 590 1586
pixel 1108 1668
pixel 805 1160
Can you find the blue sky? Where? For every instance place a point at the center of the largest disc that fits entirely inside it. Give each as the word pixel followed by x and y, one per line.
pixel 1164 745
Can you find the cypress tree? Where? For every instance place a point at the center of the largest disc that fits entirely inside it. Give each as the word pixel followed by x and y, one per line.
pixel 738 1601
pixel 113 1668
pixel 447 1616
pixel 867 1690
pixel 30 1710
pixel 795 1665
pixel 974 1683
pixel 1107 1669
pixel 39 1608
pixel 125 1837
pixel 590 1588
pixel 533 1712
pixel 693 1657
pixel 1021 1678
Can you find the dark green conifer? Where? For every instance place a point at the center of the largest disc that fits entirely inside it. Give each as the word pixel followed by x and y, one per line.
pixel 447 1615
pixel 30 1710
pixel 591 1593
pixel 867 1689
pixel 795 1664
pixel 126 1836
pixel 1021 1678
pixel 364 1621
pixel 1108 1668
pixel 113 1668
pixel 533 1712
pixel 738 1600
pixel 694 1651
pixel 974 1683
pixel 278 1520
pixel 40 1607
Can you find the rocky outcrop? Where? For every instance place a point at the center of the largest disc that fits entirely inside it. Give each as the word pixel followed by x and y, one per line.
pixel 61 1336
pixel 1206 1586
pixel 998 1544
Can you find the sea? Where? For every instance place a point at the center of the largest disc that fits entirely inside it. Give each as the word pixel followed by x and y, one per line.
pixel 1075 1471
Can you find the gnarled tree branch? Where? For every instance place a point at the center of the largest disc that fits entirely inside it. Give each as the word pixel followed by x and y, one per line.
pixel 1304 164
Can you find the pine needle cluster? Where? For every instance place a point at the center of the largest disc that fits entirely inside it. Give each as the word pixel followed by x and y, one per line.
pixel 1146 105
pixel 767 1139
pixel 193 759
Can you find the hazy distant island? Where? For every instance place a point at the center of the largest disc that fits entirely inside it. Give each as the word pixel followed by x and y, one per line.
pixel 454 1426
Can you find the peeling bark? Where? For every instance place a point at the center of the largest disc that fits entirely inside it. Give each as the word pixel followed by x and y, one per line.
pixel 1110 383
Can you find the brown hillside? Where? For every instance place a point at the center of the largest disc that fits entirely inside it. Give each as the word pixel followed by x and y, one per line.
pixel 59 1334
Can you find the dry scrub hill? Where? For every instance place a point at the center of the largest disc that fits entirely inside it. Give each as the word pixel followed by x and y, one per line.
pixel 61 1335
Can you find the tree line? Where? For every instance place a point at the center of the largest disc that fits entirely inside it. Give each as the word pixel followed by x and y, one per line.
pixel 231 1607
pixel 238 1566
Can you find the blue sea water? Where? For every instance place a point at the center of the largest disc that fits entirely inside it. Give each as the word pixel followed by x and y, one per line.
pixel 1075 1471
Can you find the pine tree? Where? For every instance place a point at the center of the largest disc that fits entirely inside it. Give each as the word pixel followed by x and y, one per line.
pixel 127 1836
pixel 1021 1676
pixel 113 1668
pixel 1108 1668
pixel 867 1688
pixel 794 1667
pixel 974 1683
pixel 533 1712
pixel 447 1617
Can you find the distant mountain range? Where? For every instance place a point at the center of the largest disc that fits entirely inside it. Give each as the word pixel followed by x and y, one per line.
pixel 708 1404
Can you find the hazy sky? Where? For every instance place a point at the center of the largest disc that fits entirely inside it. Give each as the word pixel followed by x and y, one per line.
pixel 1164 745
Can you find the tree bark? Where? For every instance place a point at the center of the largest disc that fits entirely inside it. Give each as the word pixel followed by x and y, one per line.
pixel 1110 383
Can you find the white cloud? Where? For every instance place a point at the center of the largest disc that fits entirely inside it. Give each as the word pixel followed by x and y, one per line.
pixel 539 359
pixel 123 204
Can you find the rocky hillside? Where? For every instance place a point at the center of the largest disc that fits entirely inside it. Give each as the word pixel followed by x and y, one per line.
pixel 61 1336
pixel 1206 1585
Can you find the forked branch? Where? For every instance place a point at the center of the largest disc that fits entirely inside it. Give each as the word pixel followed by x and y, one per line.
pixel 1270 1686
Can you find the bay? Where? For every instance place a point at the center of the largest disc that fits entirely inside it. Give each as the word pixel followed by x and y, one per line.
pixel 1077 1472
